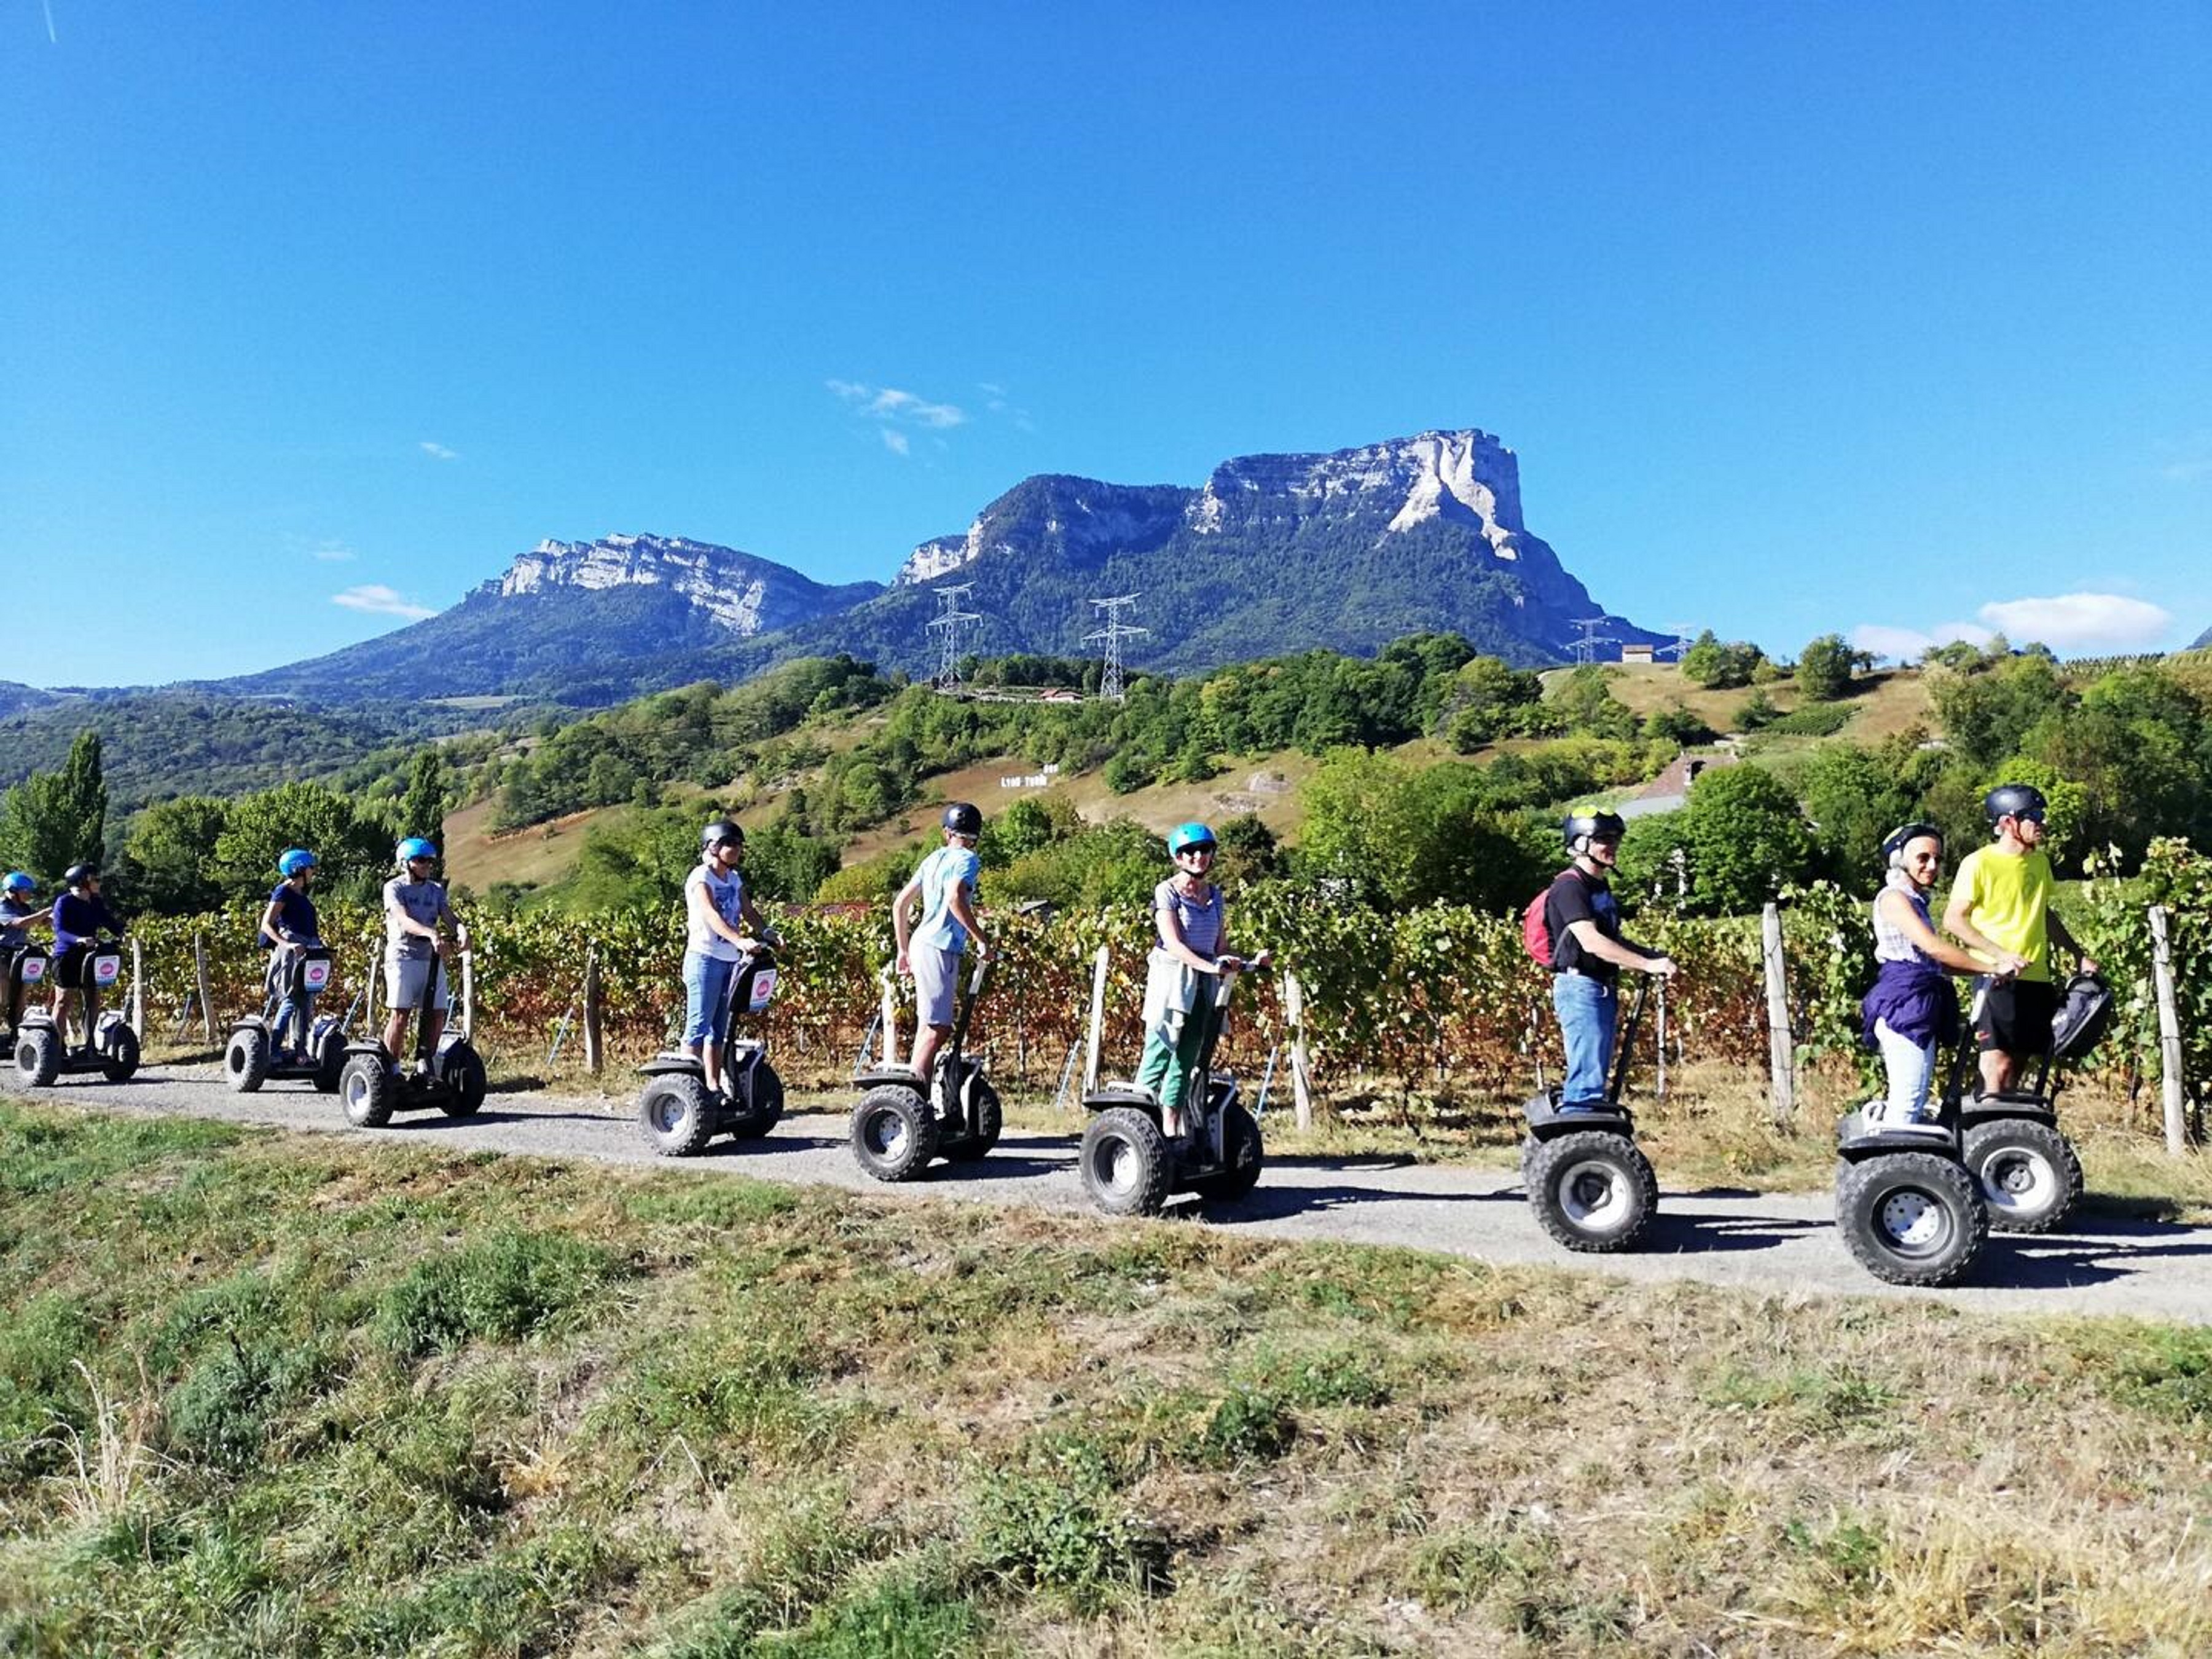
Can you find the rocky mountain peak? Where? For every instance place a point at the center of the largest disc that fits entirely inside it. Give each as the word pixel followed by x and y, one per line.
pixel 727 586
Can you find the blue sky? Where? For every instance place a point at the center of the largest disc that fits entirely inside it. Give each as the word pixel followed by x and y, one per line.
pixel 1799 317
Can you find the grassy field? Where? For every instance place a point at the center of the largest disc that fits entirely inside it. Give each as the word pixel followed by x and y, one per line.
pixel 272 1395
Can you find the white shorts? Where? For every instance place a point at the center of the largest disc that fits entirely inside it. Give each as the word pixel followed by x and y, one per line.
pixel 404 980
pixel 936 983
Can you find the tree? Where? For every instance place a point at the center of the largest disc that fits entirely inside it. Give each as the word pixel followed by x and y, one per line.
pixel 429 797
pixel 1827 667
pixel 1745 840
pixel 168 864
pixel 1719 666
pixel 352 845
pixel 52 820
pixel 1854 797
pixel 1402 836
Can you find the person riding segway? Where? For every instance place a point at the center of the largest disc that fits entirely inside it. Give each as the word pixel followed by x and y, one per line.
pixel 299 969
pixel 1588 1183
pixel 1907 1209
pixel 714 1082
pixel 2000 910
pixel 941 1105
pixel 87 961
pixel 448 1073
pixel 22 964
pixel 1179 1124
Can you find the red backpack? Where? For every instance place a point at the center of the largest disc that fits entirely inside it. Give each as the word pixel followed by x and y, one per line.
pixel 1534 933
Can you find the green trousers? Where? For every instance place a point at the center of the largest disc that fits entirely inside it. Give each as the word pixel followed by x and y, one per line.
pixel 1164 1069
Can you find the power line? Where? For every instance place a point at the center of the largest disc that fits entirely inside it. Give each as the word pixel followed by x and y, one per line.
pixel 1112 634
pixel 949 617
pixel 1585 646
pixel 1683 639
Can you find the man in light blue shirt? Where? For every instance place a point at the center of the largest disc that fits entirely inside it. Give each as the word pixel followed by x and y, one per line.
pixel 944 883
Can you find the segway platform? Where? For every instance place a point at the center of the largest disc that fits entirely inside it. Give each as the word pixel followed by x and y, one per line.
pixel 251 1057
pixel 43 1053
pixel 677 1115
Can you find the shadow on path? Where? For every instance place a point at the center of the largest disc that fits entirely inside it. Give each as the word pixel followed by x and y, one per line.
pixel 1684 1235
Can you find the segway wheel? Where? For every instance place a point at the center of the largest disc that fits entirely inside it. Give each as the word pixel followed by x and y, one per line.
pixel 767 1108
pixel 246 1060
pixel 2030 1178
pixel 367 1089
pixel 990 1117
pixel 1241 1145
pixel 38 1056
pixel 1592 1192
pixel 1126 1166
pixel 330 1062
pixel 1911 1218
pixel 119 1058
pixel 894 1133
pixel 462 1071
pixel 674 1115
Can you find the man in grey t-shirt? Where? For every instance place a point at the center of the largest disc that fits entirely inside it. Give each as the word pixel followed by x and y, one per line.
pixel 416 914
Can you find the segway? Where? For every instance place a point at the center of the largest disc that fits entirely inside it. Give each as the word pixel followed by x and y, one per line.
pixel 679 1115
pixel 902 1122
pixel 43 1051
pixel 2030 1175
pixel 251 1057
pixel 1130 1164
pixel 452 1080
pixel 1908 1212
pixel 22 974
pixel 1592 1188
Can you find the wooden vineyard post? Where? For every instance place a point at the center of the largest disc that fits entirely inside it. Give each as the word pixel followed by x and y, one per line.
pixel 200 975
pixel 594 1053
pixel 1294 1010
pixel 1659 990
pixel 1097 1020
pixel 2170 1080
pixel 1780 1051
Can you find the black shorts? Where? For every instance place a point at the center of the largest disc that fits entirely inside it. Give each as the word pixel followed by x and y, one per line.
pixel 2016 1017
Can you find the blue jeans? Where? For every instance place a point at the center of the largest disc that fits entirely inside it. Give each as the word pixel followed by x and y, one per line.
pixel 1587 1010
pixel 706 998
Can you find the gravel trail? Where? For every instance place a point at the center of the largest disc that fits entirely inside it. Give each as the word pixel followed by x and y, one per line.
pixel 1779 1243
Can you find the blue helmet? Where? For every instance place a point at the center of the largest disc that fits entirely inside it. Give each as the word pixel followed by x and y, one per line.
pixel 17 882
pixel 415 848
pixel 293 862
pixel 1184 836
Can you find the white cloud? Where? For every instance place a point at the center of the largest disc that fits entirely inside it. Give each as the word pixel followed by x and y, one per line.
pixel 890 404
pixel 439 452
pixel 381 601
pixel 2112 622
pixel 332 553
pixel 2066 622
pixel 896 442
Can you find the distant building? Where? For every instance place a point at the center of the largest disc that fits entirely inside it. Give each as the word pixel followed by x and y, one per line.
pixel 1638 653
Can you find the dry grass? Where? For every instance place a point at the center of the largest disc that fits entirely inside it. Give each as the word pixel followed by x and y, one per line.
pixel 811 1423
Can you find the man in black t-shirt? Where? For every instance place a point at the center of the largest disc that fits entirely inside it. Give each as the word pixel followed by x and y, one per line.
pixel 1587 953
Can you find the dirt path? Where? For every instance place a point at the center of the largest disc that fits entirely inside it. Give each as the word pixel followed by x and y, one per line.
pixel 1777 1243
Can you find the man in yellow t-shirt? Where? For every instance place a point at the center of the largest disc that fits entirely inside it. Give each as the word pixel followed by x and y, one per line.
pixel 2000 910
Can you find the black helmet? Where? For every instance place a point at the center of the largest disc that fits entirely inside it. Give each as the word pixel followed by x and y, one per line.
pixel 77 874
pixel 963 818
pixel 1894 844
pixel 720 830
pixel 2014 800
pixel 1592 826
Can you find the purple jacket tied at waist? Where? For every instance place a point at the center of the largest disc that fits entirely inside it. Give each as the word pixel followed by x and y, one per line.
pixel 1918 1001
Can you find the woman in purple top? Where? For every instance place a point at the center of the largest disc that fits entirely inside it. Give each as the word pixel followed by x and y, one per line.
pixel 1912 1009
pixel 81 916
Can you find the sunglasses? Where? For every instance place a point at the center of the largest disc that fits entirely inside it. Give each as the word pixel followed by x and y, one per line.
pixel 1196 853
pixel 2029 817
